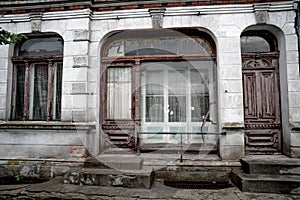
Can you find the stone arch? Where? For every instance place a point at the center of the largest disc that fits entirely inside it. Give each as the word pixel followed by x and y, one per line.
pixel 277 35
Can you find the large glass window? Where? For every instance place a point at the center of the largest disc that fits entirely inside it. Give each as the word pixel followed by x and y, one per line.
pixel 178 96
pixel 157 84
pixel 37 79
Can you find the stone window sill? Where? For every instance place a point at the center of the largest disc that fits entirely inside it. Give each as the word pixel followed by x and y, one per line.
pixel 54 125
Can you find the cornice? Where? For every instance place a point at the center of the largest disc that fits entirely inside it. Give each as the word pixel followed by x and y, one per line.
pixel 230 9
pixel 84 13
pixel 72 14
pixel 121 14
pixel 137 13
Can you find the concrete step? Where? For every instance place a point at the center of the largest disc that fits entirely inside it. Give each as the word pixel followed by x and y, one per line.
pixel 110 177
pixel 271 165
pixel 296 191
pixel 265 183
pixel 115 161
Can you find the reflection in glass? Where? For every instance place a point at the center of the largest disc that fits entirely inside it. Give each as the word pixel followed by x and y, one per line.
pixel 254 44
pixel 154 96
pixel 41 47
pixel 20 89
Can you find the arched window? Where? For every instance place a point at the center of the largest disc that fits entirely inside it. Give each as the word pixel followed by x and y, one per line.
pixel 37 78
pixel 258 41
pixel 164 78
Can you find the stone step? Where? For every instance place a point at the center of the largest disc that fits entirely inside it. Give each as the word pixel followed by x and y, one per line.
pixel 115 161
pixel 110 177
pixel 296 191
pixel 271 165
pixel 264 183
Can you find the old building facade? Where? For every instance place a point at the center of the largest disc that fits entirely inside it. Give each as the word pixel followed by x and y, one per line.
pixel 96 77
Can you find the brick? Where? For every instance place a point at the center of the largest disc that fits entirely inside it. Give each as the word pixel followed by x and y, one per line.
pixel 103 9
pixel 19 11
pixel 130 7
pixel 177 4
pixel 57 9
pixel 155 5
pixel 76 7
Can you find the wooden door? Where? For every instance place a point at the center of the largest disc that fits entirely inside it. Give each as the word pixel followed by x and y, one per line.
pixel 119 122
pixel 261 103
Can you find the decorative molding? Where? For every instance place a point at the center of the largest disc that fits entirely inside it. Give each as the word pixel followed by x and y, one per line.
pixel 120 14
pixel 257 63
pixel 35 19
pixel 47 125
pixel 138 13
pixel 80 62
pixel 157 17
pixel 229 9
pixel 263 126
pixel 71 14
pixel 117 127
pixel 15 18
pixel 261 17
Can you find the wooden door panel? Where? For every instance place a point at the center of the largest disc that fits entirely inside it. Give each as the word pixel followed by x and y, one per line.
pixel 261 103
pixel 267 141
pixel 250 95
pixel 267 95
pixel 118 136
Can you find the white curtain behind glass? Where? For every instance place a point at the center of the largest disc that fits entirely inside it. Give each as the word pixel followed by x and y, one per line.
pixel 119 93
pixel 154 96
pixel 40 92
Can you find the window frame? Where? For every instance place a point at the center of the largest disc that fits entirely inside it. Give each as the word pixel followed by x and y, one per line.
pixel 131 128
pixel 29 62
pixel 136 61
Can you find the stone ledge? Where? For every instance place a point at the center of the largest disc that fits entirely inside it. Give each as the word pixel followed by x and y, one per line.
pixel 46 125
pixel 110 177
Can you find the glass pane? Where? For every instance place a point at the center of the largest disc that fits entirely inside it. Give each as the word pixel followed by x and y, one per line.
pixel 154 80
pixel 39 109
pixel 161 44
pixel 20 88
pixel 177 85
pixel 154 109
pixel 57 91
pixel 177 108
pixel 119 93
pixel 199 95
pixel 177 137
pixel 154 96
pixel 254 44
pixel 155 130
pixel 199 106
pixel 185 91
pixel 41 46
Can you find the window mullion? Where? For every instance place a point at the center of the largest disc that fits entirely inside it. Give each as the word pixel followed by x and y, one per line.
pixel 166 99
pixel 27 91
pixel 50 90
pixel 188 96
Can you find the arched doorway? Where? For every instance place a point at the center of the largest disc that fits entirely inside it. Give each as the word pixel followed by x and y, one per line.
pixel 162 82
pixel 261 85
